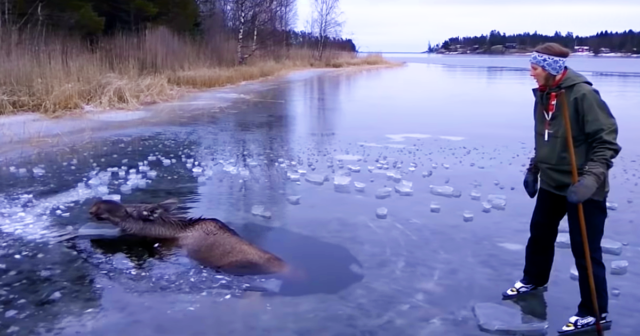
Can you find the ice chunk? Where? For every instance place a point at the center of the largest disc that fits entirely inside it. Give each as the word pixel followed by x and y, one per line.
pixel 258 210
pixel 500 319
pixel 612 206
pixel 293 200
pixel 125 188
pixel 619 267
pixel 341 184
pixel 444 191
pixel 383 193
pixel 404 188
pixel 512 246
pixel 475 195
pixel 563 241
pixel 197 170
pixel 467 216
pixel 152 174
pixel 573 273
pixel 114 197
pixel 293 177
pixel 396 177
pixel 166 162
pixel 37 171
pixel 381 213
pixel 498 202
pixel 359 186
pixel 611 247
pixel 315 179
pixel 93 229
pixel 486 207
pixel 615 292
pixel 435 207
pixel 353 168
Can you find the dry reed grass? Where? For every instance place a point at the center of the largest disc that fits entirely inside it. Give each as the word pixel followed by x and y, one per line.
pixel 55 74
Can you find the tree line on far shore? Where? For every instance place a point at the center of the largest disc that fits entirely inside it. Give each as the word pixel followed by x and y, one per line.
pixel 604 41
pixel 254 24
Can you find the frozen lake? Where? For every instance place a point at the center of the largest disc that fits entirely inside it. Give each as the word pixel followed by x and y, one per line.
pixel 435 132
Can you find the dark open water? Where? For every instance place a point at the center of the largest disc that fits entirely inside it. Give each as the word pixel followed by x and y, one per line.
pixel 416 272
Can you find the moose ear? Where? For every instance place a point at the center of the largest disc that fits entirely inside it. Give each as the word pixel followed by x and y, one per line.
pixel 168 205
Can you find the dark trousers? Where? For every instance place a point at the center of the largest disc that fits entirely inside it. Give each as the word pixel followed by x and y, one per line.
pixel 549 210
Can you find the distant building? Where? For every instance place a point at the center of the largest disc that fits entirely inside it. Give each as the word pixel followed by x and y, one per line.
pixel 581 49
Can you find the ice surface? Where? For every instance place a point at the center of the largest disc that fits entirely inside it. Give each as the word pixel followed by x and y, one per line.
pixel 29 217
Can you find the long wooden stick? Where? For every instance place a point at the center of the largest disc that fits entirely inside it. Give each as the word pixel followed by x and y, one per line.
pixel 583 227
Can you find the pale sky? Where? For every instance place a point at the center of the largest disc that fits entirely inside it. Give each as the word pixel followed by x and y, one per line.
pixel 409 25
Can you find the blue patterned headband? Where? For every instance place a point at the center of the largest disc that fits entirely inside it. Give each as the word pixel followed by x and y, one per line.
pixel 553 65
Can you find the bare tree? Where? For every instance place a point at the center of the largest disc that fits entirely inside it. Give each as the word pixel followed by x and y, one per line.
pixel 325 22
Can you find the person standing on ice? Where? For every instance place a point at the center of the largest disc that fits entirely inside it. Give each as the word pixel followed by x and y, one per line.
pixel 549 175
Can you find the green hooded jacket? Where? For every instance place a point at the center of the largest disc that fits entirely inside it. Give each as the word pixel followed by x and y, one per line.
pixel 594 131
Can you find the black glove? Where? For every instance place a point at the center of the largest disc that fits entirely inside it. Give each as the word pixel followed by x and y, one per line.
pixel 531 179
pixel 587 184
pixel 531 184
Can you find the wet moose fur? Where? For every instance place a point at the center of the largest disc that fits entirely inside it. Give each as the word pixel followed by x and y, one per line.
pixel 206 240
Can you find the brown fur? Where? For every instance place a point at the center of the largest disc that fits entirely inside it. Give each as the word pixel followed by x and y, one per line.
pixel 207 240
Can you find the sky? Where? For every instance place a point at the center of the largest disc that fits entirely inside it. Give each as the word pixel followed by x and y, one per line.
pixel 409 25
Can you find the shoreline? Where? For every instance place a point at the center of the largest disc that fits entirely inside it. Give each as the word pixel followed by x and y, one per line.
pixel 612 55
pixel 178 91
pixel 31 131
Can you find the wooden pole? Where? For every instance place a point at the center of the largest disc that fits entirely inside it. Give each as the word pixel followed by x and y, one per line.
pixel 583 227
